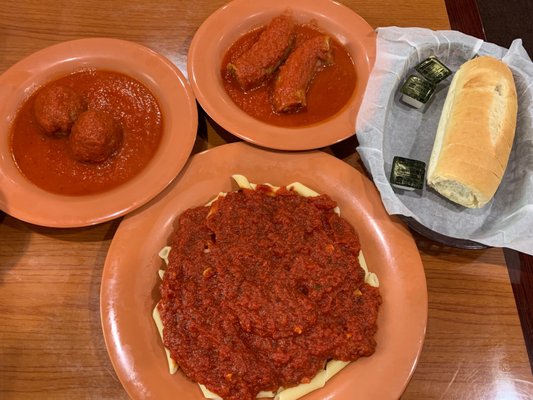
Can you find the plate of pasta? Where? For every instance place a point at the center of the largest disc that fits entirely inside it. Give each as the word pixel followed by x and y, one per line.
pixel 141 284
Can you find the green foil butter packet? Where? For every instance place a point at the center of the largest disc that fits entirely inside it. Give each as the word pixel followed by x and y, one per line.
pixel 433 70
pixel 407 174
pixel 416 91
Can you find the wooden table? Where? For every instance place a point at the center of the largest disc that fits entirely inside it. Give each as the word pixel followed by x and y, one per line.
pixel 51 343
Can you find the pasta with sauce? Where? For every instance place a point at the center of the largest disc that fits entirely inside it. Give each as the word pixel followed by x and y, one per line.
pixel 367 290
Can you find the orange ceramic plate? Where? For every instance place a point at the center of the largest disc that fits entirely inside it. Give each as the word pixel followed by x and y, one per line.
pixel 22 199
pixel 227 24
pixel 129 289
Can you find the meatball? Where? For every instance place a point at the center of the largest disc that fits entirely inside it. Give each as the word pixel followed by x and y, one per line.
pixel 56 108
pixel 95 136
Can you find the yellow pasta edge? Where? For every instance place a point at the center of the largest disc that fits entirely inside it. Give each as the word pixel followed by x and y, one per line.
pixel 172 365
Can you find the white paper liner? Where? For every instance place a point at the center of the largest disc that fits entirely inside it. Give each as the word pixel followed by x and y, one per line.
pixel 386 127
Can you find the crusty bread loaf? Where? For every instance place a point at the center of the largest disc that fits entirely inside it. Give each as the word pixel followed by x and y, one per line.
pixel 475 133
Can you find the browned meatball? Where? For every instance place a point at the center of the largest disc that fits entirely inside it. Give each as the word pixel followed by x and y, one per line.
pixel 95 136
pixel 56 108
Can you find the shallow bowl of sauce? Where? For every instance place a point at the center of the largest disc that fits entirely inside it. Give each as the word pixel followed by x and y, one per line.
pixel 35 203
pixel 209 52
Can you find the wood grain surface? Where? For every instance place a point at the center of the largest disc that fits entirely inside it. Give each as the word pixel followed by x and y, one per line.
pixel 464 16
pixel 51 343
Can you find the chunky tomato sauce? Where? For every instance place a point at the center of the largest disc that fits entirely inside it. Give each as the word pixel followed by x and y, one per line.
pixel 262 290
pixel 330 90
pixel 47 160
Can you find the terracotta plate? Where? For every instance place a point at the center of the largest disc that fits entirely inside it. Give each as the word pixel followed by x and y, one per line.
pixel 129 288
pixel 22 199
pixel 222 28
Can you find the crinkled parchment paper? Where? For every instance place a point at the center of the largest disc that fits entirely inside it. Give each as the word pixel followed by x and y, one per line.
pixel 386 127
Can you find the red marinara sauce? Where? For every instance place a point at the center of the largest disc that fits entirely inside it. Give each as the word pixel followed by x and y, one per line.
pixel 262 290
pixel 330 90
pixel 47 160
